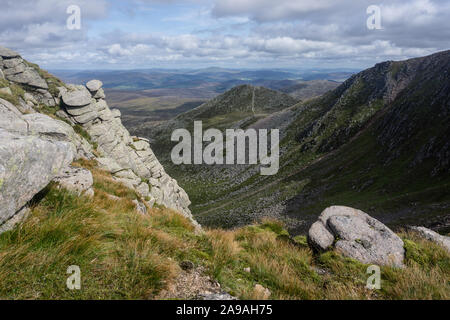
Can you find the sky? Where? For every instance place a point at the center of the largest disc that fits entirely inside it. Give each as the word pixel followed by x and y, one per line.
pixel 288 34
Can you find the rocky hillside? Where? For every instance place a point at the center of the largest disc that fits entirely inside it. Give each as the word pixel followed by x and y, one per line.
pixel 377 142
pixel 45 125
pixel 77 190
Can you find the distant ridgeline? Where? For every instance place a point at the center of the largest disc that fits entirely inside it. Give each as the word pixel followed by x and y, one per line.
pixel 378 142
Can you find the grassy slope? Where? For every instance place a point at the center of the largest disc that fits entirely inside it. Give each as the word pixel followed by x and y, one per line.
pixel 124 255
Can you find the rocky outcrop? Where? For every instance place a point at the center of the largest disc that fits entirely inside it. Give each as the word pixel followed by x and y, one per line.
pixel 129 159
pixel 78 180
pixel 36 149
pixel 28 162
pixel 357 235
pixel 17 70
pixel 432 236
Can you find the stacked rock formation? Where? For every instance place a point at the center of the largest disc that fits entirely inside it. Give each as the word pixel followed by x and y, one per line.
pixel 36 149
pixel 129 159
pixel 17 70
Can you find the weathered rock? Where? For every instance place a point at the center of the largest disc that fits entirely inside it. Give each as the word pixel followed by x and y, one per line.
pixel 6 90
pixel 2 76
pixel 27 165
pixel 8 53
pixel 14 66
pixel 131 162
pixel 29 97
pixel 94 85
pixel 319 237
pixel 261 293
pixel 109 165
pixel 432 236
pixel 78 180
pixel 140 207
pixel 357 235
pixel 10 118
pixel 10 224
pixel 43 125
pixel 143 190
pixel 116 113
pixel 29 77
pixel 100 94
pixel 77 98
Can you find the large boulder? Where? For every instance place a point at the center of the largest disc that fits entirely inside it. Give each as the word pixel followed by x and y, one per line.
pixel 432 236
pixel 357 235
pixel 27 165
pixel 76 98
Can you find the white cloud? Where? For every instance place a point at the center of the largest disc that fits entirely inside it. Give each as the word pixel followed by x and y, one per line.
pixel 253 32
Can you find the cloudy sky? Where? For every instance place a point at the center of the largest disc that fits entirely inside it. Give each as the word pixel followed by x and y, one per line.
pixel 225 33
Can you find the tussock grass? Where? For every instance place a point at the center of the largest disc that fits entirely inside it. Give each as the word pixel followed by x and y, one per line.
pixel 125 255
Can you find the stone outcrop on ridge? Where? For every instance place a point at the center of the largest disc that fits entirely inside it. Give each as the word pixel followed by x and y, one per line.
pixel 36 149
pixel 129 159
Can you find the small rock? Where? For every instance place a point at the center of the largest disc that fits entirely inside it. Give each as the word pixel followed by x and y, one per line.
pixel 261 293
pixel 187 265
pixel 319 237
pixel 78 180
pixel 94 85
pixel 6 90
pixel 432 236
pixel 247 270
pixel 100 94
pixel 215 296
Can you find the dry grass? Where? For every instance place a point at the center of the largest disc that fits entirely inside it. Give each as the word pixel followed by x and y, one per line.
pixel 124 255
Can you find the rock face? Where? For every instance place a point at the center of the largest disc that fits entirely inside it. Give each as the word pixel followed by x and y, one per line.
pixel 78 180
pixel 130 160
pixel 357 235
pixel 36 149
pixel 17 70
pixel 27 162
pixel 432 236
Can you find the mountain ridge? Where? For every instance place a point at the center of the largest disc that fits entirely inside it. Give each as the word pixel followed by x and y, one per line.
pixel 377 101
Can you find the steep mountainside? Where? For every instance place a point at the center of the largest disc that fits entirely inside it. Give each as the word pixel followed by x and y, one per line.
pixel 378 142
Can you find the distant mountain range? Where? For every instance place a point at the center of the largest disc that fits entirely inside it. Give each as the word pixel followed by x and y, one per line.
pixel 378 142
pixel 146 96
pixel 215 79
